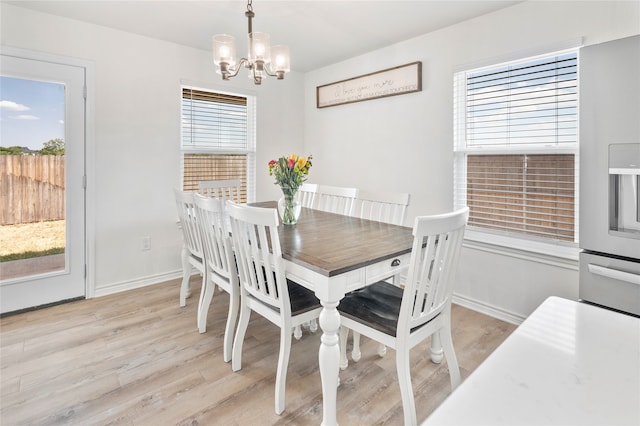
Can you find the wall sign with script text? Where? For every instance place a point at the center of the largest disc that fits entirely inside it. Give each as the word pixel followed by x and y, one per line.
pixel 380 84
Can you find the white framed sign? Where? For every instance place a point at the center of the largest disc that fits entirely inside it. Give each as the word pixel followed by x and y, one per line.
pixel 380 84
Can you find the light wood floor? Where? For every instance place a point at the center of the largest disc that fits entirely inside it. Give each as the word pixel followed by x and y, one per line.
pixel 136 358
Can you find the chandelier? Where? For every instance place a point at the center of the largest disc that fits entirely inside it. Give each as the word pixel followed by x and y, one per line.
pixel 261 60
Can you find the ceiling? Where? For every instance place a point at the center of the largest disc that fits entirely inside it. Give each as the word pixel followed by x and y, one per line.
pixel 319 33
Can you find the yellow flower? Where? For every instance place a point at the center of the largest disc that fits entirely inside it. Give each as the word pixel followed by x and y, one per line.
pixel 301 162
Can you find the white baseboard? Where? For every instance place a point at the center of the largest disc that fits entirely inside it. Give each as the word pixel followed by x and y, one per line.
pixel 486 309
pixel 472 304
pixel 142 282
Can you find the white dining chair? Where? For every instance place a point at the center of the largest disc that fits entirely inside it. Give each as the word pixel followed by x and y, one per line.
pixel 264 288
pixel 387 207
pixel 225 189
pixel 306 194
pixel 402 318
pixel 192 250
pixel 220 265
pixel 335 199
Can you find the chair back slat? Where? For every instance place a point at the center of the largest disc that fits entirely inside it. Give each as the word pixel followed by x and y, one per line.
pixel 307 194
pixel 226 189
pixel 434 259
pixel 388 207
pixel 215 235
pixel 335 199
pixel 259 255
pixel 185 204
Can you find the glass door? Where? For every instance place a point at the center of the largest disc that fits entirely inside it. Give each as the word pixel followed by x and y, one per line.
pixel 42 172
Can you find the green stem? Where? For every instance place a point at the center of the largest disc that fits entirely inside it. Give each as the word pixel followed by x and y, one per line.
pixel 288 215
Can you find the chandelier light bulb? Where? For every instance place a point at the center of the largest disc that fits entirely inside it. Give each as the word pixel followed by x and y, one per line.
pixel 281 60
pixel 224 50
pixel 259 49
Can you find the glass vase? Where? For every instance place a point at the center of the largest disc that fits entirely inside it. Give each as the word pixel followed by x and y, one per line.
pixel 289 208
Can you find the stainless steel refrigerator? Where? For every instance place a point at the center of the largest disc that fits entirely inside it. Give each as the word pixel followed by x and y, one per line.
pixel 610 174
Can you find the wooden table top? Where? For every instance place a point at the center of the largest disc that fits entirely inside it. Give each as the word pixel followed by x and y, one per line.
pixel 331 244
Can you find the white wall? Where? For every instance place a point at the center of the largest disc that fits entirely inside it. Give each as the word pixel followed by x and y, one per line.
pixel 404 143
pixel 401 143
pixel 137 132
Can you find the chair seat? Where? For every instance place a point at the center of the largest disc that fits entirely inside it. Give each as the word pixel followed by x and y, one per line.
pixel 302 299
pixel 377 305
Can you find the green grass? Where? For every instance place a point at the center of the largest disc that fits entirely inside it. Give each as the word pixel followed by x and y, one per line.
pixel 27 240
pixel 31 254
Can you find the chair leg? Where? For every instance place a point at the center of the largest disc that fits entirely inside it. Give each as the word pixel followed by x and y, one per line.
pixel 406 389
pixel 297 332
pixel 185 287
pixel 344 334
pixel 312 325
pixel 206 296
pixel 436 348
pixel 231 324
pixel 450 354
pixel 355 352
pixel 283 363
pixel 236 359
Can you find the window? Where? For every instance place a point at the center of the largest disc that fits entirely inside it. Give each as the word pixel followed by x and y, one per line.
pixel 516 146
pixel 218 140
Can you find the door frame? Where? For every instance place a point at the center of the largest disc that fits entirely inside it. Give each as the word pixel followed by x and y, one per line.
pixel 89 151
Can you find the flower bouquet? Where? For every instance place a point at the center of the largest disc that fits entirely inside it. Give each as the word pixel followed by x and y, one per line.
pixel 290 172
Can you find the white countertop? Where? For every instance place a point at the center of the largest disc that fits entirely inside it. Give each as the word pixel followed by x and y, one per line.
pixel 569 363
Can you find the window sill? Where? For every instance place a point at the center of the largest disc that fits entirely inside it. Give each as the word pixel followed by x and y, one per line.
pixel 535 251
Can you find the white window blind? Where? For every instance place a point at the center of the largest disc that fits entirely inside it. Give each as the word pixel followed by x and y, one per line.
pixel 218 139
pixel 213 121
pixel 516 145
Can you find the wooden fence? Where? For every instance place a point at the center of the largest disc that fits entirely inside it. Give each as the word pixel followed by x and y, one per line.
pixel 32 188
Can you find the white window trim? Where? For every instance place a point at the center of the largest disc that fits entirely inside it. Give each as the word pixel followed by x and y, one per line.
pixel 252 108
pixel 562 254
pixel 551 254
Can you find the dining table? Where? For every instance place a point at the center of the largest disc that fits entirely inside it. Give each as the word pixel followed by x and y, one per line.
pixel 333 254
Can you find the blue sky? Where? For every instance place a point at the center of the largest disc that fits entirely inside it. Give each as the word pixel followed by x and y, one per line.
pixel 31 112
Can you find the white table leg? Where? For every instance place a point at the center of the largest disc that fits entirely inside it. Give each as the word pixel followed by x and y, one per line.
pixel 329 361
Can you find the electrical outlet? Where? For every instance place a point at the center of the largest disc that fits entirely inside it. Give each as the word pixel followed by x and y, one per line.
pixel 146 243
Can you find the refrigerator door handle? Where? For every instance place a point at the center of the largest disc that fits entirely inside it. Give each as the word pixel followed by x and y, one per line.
pixel 614 274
